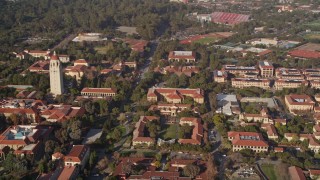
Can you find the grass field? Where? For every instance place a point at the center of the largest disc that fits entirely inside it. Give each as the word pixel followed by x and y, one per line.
pixel 315 25
pixel 269 171
pixel 170 132
pixel 206 40
pixel 312 36
pixel 101 50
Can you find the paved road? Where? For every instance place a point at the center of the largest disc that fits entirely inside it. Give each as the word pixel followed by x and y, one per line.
pixel 64 42
pixel 145 68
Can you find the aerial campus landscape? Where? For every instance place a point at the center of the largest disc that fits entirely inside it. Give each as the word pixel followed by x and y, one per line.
pixel 160 89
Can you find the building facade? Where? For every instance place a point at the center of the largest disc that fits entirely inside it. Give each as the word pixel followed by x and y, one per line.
pixel 244 82
pixel 56 76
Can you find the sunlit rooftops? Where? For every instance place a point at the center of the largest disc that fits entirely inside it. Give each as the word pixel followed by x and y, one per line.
pixel 21 132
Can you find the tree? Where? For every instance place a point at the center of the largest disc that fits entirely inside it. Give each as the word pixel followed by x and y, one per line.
pixel 75 128
pixel 92 158
pixel 42 166
pixel 191 170
pixel 122 118
pixel 157 164
pixel 183 81
pixel 117 134
pixel 50 146
pixel 173 81
pixel 158 157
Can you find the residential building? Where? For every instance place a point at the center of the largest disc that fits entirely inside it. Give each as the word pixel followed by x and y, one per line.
pixel 68 172
pixel 296 102
pixel 137 45
pixel 310 77
pixel 271 131
pixel 283 8
pixel 40 67
pixel 315 84
pixel 287 83
pixel 173 172
pixel 314 173
pixel 98 92
pixel 287 72
pixel 197 132
pixel 263 117
pixel 266 69
pixel 291 76
pixel 76 71
pixel 220 76
pixel 227 104
pixel 186 56
pixel 204 17
pixel 60 113
pixel 244 82
pixel 240 70
pixel 81 62
pixel 30 113
pixel 179 70
pixel 296 173
pixel 312 139
pixel 78 155
pixel 25 139
pixel 311 71
pixel 175 95
pixel 139 137
pixel 263 41
pixel 37 53
pixel 171 109
pixel 247 140
pixel 56 77
pixel 47 55
pixel 106 71
pixel 57 156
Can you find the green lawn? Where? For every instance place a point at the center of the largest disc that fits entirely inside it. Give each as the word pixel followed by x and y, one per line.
pixel 207 40
pixel 170 132
pixel 269 171
pixel 314 24
pixel 312 36
pixel 101 50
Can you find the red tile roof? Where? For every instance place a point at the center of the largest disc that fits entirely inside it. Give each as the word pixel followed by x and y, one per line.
pixel 137 45
pixel 39 66
pixel 237 139
pixel 175 92
pixel 197 132
pixel 314 172
pixel 77 153
pixel 106 71
pixel 263 53
pixel 67 172
pixel 62 112
pixel 304 54
pixel 138 133
pixel 306 100
pixel 296 173
pixel 80 61
pixel 174 55
pixel 98 90
pixel 229 18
